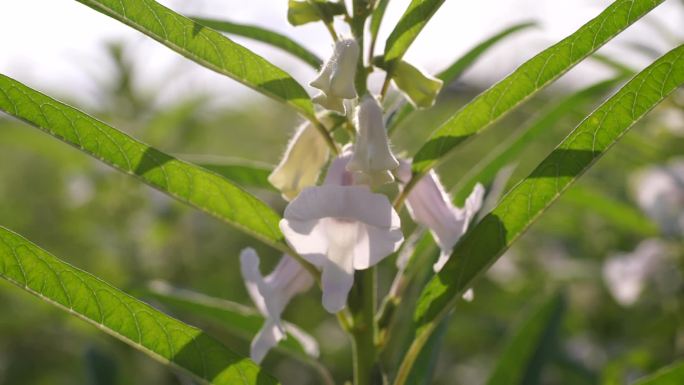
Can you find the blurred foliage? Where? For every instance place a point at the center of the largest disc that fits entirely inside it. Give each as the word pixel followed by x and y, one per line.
pixel 128 234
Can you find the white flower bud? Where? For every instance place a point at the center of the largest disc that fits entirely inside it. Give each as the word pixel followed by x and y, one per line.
pixel 372 160
pixel 336 79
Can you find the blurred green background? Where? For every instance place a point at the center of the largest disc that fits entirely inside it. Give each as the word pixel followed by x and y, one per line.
pixel 110 225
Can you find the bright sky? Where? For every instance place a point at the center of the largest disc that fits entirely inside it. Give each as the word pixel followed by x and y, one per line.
pixel 57 45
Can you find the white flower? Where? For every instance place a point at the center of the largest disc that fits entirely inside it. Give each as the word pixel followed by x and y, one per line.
pixel 626 274
pixel 341 228
pixel 660 193
pixel 372 160
pixel 430 205
pixel 419 88
pixel 336 79
pixel 271 294
pixel 306 154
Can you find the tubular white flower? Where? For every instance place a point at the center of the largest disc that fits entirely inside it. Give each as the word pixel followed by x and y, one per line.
pixel 430 205
pixel 626 274
pixel 306 154
pixel 336 79
pixel 420 88
pixel 372 160
pixel 660 193
pixel 341 228
pixel 271 294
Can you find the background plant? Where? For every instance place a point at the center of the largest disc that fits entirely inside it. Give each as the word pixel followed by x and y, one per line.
pixel 141 160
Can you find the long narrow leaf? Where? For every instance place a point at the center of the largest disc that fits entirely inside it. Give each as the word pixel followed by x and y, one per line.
pixel 243 172
pixel 455 70
pixel 186 182
pixel 481 247
pixel 671 375
pixel 409 26
pixel 206 47
pixel 616 213
pixel 507 152
pixel 265 36
pixel 132 321
pixel 239 319
pixel 529 78
pixel 521 361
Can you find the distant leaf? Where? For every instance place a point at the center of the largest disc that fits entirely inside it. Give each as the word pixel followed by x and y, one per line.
pixel 671 375
pixel 184 181
pixel 207 47
pixel 508 151
pixel 376 19
pixel 239 319
pixel 528 79
pixel 265 36
pixel 409 26
pixel 483 245
pixel 243 172
pixel 122 316
pixel 526 352
pixel 615 212
pixel 455 70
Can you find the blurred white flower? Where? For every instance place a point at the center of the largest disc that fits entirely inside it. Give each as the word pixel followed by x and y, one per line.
pixel 306 154
pixel 626 274
pixel 420 88
pixel 340 228
pixel 372 160
pixel 430 205
pixel 336 79
pixel 271 294
pixel 80 190
pixel 660 193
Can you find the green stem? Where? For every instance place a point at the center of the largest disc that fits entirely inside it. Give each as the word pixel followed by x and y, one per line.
pixel 362 304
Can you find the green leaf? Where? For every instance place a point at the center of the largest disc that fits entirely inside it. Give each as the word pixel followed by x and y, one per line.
pixel 482 246
pixel 528 349
pixel 407 29
pixel 241 320
pixel 528 79
pixel 265 36
pixel 132 321
pixel 184 181
pixel 208 48
pixel 455 70
pixel 376 19
pixel 507 152
pixel 671 375
pixel 243 172
pixel 617 213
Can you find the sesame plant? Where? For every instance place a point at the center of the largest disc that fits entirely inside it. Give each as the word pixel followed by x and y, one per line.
pixel 352 202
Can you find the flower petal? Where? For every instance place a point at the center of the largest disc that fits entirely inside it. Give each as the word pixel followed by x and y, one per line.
pixel 249 266
pixel 330 102
pixel 350 202
pixel 337 281
pixel 268 337
pixel 375 245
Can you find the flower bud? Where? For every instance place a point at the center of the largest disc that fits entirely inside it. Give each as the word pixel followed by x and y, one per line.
pixel 336 79
pixel 305 156
pixel 419 88
pixel 372 159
